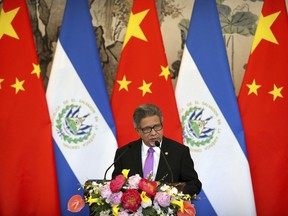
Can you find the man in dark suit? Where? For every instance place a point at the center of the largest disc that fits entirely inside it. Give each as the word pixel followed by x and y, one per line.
pixel 178 166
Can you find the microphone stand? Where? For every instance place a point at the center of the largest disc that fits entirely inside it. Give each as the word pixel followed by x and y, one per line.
pixel 117 159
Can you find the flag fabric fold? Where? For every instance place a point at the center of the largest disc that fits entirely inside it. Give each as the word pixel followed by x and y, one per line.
pixel 82 122
pixel 263 108
pixel 28 182
pixel 208 110
pixel 143 75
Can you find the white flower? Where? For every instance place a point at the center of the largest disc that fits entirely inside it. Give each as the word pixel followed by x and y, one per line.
pixel 165 187
pixel 146 204
pixel 105 213
pixel 138 213
pixel 173 190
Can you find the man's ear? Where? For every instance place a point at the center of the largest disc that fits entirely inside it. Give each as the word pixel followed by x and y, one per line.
pixel 138 131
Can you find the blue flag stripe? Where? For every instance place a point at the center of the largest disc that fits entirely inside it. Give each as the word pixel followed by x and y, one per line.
pixel 65 191
pixel 84 54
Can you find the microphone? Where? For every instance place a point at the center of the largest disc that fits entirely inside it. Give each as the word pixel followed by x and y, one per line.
pixel 117 159
pixel 157 143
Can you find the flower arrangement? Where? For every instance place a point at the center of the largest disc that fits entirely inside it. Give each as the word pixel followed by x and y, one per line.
pixel 133 196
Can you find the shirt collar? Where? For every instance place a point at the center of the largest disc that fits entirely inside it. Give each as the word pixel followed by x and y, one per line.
pixel 145 148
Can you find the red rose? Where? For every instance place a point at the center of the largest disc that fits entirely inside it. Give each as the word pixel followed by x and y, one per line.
pixel 117 183
pixel 189 210
pixel 131 200
pixel 150 187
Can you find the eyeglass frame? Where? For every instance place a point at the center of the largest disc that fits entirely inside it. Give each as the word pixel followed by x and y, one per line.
pixel 150 128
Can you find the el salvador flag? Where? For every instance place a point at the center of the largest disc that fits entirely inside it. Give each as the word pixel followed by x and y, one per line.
pixel 83 126
pixel 210 118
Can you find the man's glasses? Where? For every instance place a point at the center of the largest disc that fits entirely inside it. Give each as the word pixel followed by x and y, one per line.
pixel 156 127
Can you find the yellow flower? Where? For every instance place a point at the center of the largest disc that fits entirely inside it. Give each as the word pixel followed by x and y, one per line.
pixel 115 210
pixel 144 198
pixel 93 200
pixel 125 172
pixel 178 203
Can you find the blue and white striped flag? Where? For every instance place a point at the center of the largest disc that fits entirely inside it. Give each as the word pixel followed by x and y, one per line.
pixel 210 118
pixel 83 126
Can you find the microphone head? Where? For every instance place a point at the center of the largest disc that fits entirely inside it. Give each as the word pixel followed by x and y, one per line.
pixel 157 143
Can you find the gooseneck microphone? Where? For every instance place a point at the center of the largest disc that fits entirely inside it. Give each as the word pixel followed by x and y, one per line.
pixel 157 143
pixel 117 159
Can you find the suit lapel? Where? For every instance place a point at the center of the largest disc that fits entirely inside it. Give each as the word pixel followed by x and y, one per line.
pixel 162 167
pixel 137 161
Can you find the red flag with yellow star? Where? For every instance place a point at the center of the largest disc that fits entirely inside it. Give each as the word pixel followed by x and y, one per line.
pixel 143 75
pixel 263 101
pixel 28 184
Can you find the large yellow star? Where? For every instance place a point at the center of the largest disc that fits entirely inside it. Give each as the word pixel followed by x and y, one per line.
pixel 123 83
pixel 6 23
pixel 276 92
pixel 263 30
pixel 165 72
pixel 134 28
pixel 1 80
pixel 145 88
pixel 18 85
pixel 253 88
pixel 36 70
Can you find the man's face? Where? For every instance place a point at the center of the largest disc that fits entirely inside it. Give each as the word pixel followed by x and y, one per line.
pixel 150 123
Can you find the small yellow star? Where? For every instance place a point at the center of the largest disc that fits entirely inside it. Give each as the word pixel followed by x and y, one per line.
pixel 165 72
pixel 18 85
pixel 36 70
pixel 133 28
pixel 1 80
pixel 145 88
pixel 263 30
pixel 276 92
pixel 123 83
pixel 253 88
pixel 6 23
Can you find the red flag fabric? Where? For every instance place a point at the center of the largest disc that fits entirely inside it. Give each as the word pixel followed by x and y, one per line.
pixel 28 184
pixel 263 101
pixel 143 75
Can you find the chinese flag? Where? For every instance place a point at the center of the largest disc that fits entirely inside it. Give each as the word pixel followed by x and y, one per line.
pixel 263 101
pixel 143 75
pixel 28 183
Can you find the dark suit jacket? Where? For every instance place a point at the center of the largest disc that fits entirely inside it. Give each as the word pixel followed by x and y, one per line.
pixel 177 155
